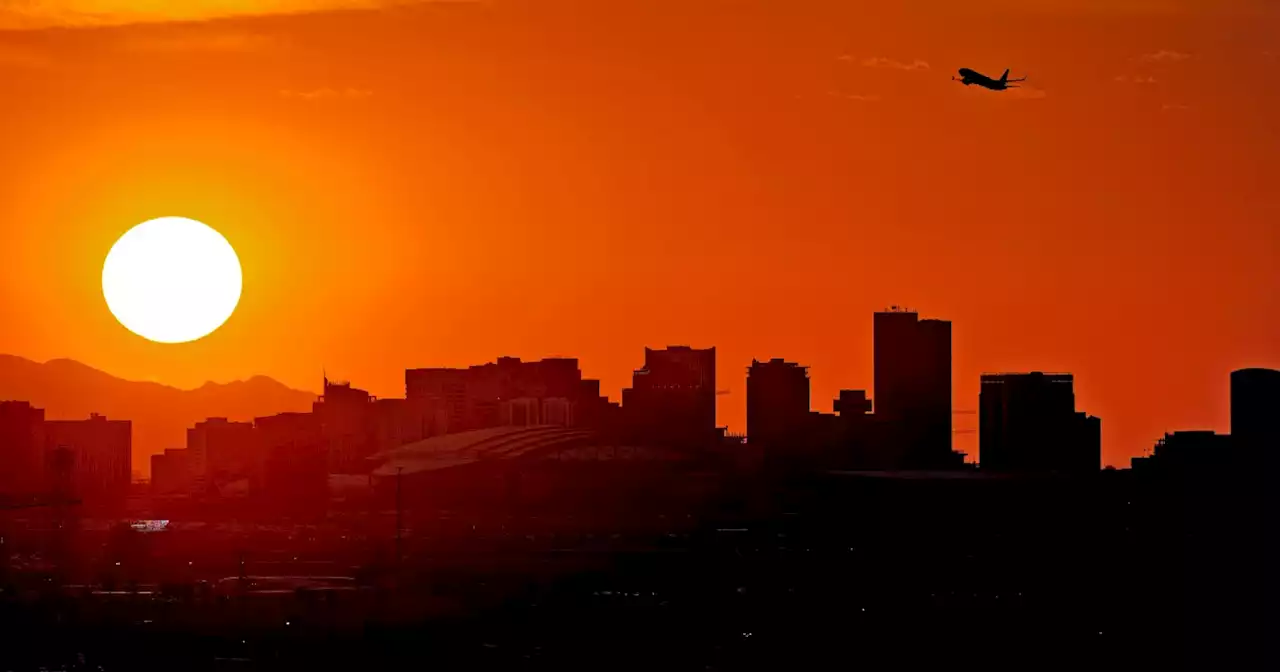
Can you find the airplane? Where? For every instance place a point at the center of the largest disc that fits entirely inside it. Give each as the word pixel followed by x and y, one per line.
pixel 968 77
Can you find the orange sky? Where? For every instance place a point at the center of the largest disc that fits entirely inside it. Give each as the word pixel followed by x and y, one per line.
pixel 434 184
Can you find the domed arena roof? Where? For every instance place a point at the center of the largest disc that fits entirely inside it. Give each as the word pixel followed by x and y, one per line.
pixel 464 448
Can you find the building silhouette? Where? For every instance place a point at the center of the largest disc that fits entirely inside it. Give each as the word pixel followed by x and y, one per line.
pixel 777 401
pixel 292 477
pixel 1255 412
pixel 507 391
pixel 171 473
pixel 860 440
pixel 1186 453
pixel 97 454
pixel 672 399
pixel 218 452
pixel 1028 423
pixel 852 403
pixel 395 422
pixel 913 389
pixel 22 460
pixel 778 414
pixel 344 414
pixel 595 410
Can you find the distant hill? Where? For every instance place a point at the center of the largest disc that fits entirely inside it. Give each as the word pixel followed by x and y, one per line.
pixel 69 390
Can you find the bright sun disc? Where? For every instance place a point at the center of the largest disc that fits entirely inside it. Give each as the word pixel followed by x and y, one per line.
pixel 172 280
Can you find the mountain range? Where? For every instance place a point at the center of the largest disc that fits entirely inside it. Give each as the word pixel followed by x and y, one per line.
pixel 69 390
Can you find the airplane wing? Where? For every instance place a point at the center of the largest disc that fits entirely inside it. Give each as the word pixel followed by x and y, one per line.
pixel 1021 79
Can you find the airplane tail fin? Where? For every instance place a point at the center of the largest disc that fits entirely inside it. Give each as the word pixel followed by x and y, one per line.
pixel 1005 76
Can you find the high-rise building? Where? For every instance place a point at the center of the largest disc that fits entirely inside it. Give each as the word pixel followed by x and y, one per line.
pixel 858 438
pixel 777 403
pixel 913 389
pixel 477 397
pixel 292 476
pixel 1255 413
pixel 345 416
pixel 442 388
pixel 1028 423
pixel 288 429
pixel 171 473
pixel 97 454
pixel 21 448
pixel 396 422
pixel 220 451
pixel 672 400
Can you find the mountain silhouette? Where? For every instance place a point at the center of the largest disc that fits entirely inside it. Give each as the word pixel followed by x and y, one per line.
pixel 69 390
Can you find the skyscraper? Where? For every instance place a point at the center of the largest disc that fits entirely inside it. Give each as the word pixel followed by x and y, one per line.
pixel 291 474
pixel 913 389
pixel 672 400
pixel 171 473
pixel 476 397
pixel 777 403
pixel 100 455
pixel 345 415
pixel 21 448
pixel 220 451
pixel 1255 412
pixel 1028 423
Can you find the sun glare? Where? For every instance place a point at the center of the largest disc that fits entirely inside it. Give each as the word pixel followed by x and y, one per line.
pixel 172 280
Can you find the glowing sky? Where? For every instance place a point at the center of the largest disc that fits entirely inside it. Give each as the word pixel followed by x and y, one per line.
pixel 437 184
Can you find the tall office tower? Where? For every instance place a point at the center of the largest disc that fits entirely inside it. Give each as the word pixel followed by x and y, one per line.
pixel 1028 423
pixel 672 400
pixel 1255 413
pixel 220 451
pixel 913 389
pixel 476 397
pixel 21 448
pixel 97 454
pixel 346 417
pixel 777 403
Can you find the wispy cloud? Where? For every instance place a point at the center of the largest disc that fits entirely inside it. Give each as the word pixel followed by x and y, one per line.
pixel 1135 79
pixel 326 94
pixel 857 97
pixel 1173 107
pixel 1025 93
pixel 227 42
pixel 23 14
pixel 1164 56
pixel 889 63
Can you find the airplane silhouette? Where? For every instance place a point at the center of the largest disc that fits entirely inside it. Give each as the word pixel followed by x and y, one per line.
pixel 968 77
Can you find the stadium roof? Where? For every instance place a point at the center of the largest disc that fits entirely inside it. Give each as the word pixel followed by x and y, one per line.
pixel 464 448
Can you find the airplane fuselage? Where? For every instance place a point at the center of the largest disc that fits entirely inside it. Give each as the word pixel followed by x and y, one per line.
pixel 968 77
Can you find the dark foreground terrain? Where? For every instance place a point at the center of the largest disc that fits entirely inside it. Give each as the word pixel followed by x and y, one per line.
pixel 833 572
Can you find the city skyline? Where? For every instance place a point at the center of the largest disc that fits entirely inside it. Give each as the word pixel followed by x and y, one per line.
pixel 704 335
pixel 914 362
pixel 411 188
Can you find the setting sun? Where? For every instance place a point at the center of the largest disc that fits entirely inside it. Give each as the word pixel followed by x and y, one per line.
pixel 172 280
